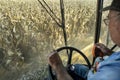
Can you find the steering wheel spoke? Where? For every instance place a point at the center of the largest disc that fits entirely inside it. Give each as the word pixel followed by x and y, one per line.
pixel 70 57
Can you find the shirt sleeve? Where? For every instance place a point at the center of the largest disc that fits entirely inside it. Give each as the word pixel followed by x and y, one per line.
pixel 107 71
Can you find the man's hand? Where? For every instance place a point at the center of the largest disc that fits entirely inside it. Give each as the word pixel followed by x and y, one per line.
pixel 100 50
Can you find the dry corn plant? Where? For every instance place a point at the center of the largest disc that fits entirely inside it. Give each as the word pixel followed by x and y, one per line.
pixel 28 34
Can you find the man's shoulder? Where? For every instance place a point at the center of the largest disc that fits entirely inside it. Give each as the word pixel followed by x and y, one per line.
pixel 115 55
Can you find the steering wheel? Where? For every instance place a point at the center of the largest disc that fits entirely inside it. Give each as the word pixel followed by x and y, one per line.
pixel 71 49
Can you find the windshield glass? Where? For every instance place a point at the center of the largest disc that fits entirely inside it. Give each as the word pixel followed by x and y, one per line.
pixel 28 34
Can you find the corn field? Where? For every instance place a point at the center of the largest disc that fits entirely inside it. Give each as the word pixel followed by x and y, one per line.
pixel 28 34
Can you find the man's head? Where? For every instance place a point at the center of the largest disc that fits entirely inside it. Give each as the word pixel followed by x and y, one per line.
pixel 114 23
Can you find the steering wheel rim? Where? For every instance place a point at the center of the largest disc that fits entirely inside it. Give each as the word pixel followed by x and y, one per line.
pixel 52 77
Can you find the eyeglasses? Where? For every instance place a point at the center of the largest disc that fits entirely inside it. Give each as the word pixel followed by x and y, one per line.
pixel 106 21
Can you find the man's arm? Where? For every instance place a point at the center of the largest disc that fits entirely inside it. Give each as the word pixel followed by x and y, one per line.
pixel 108 69
pixel 56 63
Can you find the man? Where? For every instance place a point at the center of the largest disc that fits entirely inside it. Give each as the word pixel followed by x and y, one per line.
pixel 108 69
